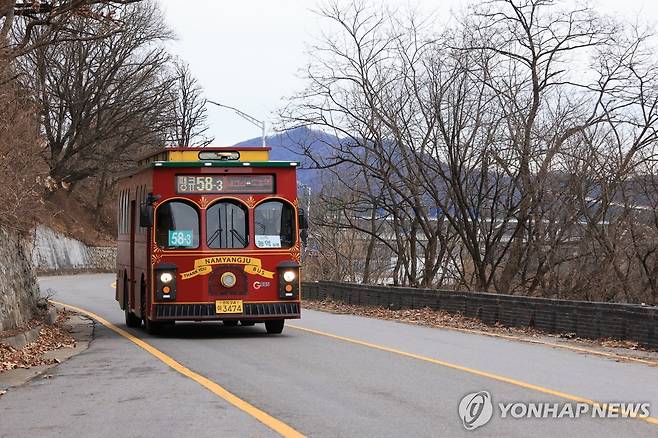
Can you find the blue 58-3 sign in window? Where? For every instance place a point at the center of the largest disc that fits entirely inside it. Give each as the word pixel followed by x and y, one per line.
pixel 181 238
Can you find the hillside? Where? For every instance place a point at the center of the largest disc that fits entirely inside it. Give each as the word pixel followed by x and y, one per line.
pixel 291 145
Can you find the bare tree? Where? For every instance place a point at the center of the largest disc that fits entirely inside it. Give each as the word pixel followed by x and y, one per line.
pixel 99 98
pixel 359 91
pixel 189 124
pixel 499 151
pixel 47 18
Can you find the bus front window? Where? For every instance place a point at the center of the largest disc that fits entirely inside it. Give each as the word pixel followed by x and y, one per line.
pixel 275 225
pixel 227 225
pixel 177 225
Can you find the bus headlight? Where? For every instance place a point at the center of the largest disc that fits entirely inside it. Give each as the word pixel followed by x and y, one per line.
pixel 166 277
pixel 165 281
pixel 288 280
pixel 289 276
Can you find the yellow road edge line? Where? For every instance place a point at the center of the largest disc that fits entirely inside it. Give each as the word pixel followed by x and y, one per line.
pixel 492 376
pixel 277 425
pixel 551 344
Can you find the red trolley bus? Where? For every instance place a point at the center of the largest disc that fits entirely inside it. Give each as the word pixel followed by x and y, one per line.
pixel 210 234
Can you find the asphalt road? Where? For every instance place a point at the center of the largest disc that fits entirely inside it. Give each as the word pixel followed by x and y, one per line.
pixel 320 385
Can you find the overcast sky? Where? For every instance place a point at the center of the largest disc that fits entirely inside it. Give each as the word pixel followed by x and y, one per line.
pixel 249 53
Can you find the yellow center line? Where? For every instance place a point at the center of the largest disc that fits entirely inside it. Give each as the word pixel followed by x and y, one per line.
pixel 560 394
pixel 277 425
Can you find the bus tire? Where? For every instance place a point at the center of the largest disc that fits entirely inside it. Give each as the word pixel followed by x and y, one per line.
pixel 132 321
pixel 152 327
pixel 274 326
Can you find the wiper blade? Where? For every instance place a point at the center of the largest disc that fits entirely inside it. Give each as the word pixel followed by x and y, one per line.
pixel 214 236
pixel 239 236
pixel 219 230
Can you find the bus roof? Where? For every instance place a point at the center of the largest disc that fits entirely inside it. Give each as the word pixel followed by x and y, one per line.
pixel 218 148
pixel 219 163
pixel 197 154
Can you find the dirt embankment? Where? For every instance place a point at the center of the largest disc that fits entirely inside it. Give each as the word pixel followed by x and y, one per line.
pixel 73 215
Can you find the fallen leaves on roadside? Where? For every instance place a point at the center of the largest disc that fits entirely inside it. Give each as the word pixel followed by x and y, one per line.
pixel 616 343
pixel 51 337
pixel 425 316
pixel 23 328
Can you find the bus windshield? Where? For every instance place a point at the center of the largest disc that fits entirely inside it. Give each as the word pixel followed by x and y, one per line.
pixel 227 225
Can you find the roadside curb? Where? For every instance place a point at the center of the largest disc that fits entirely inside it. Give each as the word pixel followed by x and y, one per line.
pixel 81 329
pixel 27 337
pixel 22 339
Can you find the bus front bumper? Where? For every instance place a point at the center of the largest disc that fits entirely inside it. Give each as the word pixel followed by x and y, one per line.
pixel 207 311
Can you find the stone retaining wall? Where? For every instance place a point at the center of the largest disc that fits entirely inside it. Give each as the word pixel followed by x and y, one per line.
pixel 102 258
pixel 18 286
pixel 45 252
pixel 55 253
pixel 584 319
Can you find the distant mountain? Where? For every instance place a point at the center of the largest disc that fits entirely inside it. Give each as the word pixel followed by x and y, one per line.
pixel 291 146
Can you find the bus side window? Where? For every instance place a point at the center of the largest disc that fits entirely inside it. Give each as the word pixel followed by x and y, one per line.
pixel 119 212
pixel 122 213
pixel 126 212
pixel 140 200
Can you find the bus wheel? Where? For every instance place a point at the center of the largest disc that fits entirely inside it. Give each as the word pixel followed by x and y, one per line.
pixel 230 322
pixel 131 320
pixel 152 327
pixel 274 326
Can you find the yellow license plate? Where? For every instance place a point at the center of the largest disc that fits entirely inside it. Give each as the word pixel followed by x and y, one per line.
pixel 228 306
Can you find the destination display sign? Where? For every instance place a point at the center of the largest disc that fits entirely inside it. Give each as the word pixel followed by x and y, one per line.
pixel 218 184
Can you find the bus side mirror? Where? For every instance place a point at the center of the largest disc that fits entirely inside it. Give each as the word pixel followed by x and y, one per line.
pixel 145 215
pixel 303 220
pixel 303 225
